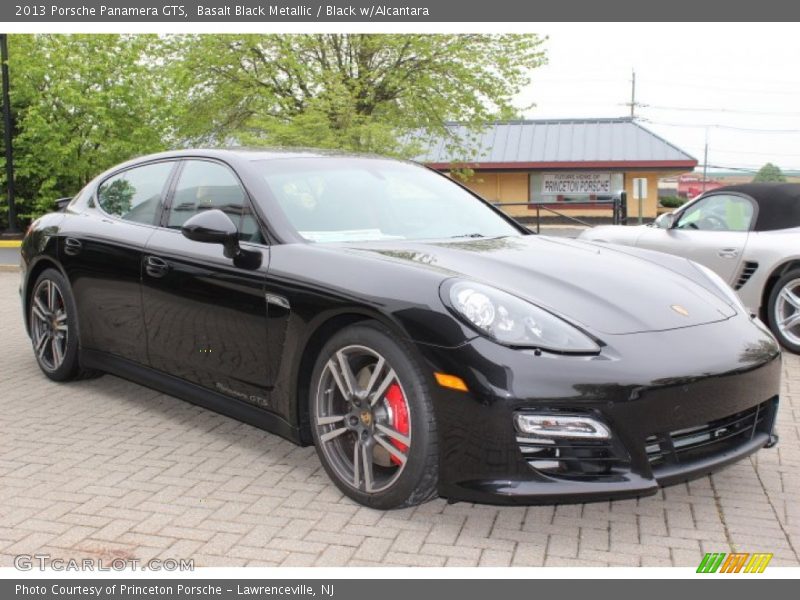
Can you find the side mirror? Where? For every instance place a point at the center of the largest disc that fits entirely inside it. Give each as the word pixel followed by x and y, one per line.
pixel 214 227
pixel 62 203
pixel 666 221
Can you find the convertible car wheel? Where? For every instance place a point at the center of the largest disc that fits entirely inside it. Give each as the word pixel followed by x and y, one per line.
pixel 54 328
pixel 784 310
pixel 372 420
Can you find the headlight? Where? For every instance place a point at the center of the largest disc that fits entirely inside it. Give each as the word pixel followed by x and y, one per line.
pixel 719 283
pixel 515 322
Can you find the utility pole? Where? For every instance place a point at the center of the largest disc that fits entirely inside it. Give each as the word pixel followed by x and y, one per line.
pixel 633 94
pixel 7 135
pixel 705 163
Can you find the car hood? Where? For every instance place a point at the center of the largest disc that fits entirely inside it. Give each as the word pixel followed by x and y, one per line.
pixel 598 287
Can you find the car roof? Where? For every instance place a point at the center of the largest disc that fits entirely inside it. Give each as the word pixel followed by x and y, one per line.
pixel 778 203
pixel 252 154
pixel 243 154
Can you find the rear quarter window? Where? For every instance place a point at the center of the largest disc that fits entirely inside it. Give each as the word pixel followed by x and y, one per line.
pixel 135 194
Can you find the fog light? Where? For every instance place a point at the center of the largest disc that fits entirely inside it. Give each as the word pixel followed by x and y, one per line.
pixel 561 426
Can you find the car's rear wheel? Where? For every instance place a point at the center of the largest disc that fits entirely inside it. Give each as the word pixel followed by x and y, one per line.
pixel 784 310
pixel 372 419
pixel 54 328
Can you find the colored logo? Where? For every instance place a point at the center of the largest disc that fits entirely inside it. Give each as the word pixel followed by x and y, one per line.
pixel 737 562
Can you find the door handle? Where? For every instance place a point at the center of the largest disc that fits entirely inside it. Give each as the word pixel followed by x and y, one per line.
pixel 72 246
pixel 156 267
pixel 728 252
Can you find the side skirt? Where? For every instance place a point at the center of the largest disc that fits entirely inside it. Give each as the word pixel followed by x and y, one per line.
pixel 174 386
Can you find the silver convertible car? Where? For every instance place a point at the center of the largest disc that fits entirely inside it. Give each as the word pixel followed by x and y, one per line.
pixel 748 234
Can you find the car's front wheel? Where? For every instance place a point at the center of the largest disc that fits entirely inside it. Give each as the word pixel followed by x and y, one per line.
pixel 372 419
pixel 54 328
pixel 784 310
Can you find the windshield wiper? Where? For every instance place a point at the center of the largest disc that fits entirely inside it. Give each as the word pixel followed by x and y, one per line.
pixel 468 235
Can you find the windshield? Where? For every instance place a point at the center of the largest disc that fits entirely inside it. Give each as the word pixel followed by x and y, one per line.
pixel 363 199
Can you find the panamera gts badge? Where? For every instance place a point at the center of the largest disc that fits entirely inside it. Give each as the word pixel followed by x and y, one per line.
pixel 680 310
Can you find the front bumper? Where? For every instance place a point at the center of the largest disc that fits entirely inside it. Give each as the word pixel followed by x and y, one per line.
pixel 679 404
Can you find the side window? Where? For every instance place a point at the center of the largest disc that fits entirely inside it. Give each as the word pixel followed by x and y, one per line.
pixel 205 185
pixel 720 212
pixel 135 194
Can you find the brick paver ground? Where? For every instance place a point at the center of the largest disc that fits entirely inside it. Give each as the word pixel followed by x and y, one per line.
pixel 107 468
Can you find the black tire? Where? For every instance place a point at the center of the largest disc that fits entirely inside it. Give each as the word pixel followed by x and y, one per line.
pixel 68 367
pixel 396 484
pixel 789 339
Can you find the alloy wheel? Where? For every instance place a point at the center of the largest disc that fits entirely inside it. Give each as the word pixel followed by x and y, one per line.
pixel 787 311
pixel 49 324
pixel 362 417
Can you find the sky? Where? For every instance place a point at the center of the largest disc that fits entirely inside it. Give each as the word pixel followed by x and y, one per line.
pixel 739 84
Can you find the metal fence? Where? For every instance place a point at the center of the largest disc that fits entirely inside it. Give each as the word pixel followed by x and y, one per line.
pixel 618 206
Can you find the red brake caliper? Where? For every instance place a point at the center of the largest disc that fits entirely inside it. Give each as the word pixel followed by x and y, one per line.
pixel 397 404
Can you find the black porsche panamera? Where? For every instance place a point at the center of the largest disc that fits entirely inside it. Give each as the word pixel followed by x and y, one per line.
pixel 424 342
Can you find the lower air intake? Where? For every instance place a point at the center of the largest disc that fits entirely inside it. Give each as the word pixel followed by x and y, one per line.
pixel 574 459
pixel 694 443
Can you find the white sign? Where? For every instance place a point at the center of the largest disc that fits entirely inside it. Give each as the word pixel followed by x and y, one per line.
pixel 576 183
pixel 640 188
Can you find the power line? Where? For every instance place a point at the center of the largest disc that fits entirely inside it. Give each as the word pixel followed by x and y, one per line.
pixel 734 90
pixel 706 77
pixel 718 126
pixel 750 168
pixel 720 110
pixel 677 83
pixel 753 153
pixel 685 80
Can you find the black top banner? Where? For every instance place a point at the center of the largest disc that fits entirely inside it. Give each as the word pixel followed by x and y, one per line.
pixel 409 11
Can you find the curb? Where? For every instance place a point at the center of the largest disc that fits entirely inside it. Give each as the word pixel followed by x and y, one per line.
pixel 10 243
pixel 9 268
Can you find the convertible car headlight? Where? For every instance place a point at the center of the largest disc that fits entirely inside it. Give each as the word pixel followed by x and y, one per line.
pixel 515 322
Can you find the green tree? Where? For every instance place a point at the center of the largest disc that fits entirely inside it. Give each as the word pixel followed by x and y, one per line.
pixel 347 91
pixel 116 197
pixel 81 103
pixel 769 173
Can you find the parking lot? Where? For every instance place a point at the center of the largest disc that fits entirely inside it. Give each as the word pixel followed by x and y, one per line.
pixel 106 468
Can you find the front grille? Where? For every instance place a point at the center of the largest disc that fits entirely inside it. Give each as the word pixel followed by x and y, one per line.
pixel 576 459
pixel 693 443
pixel 747 272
